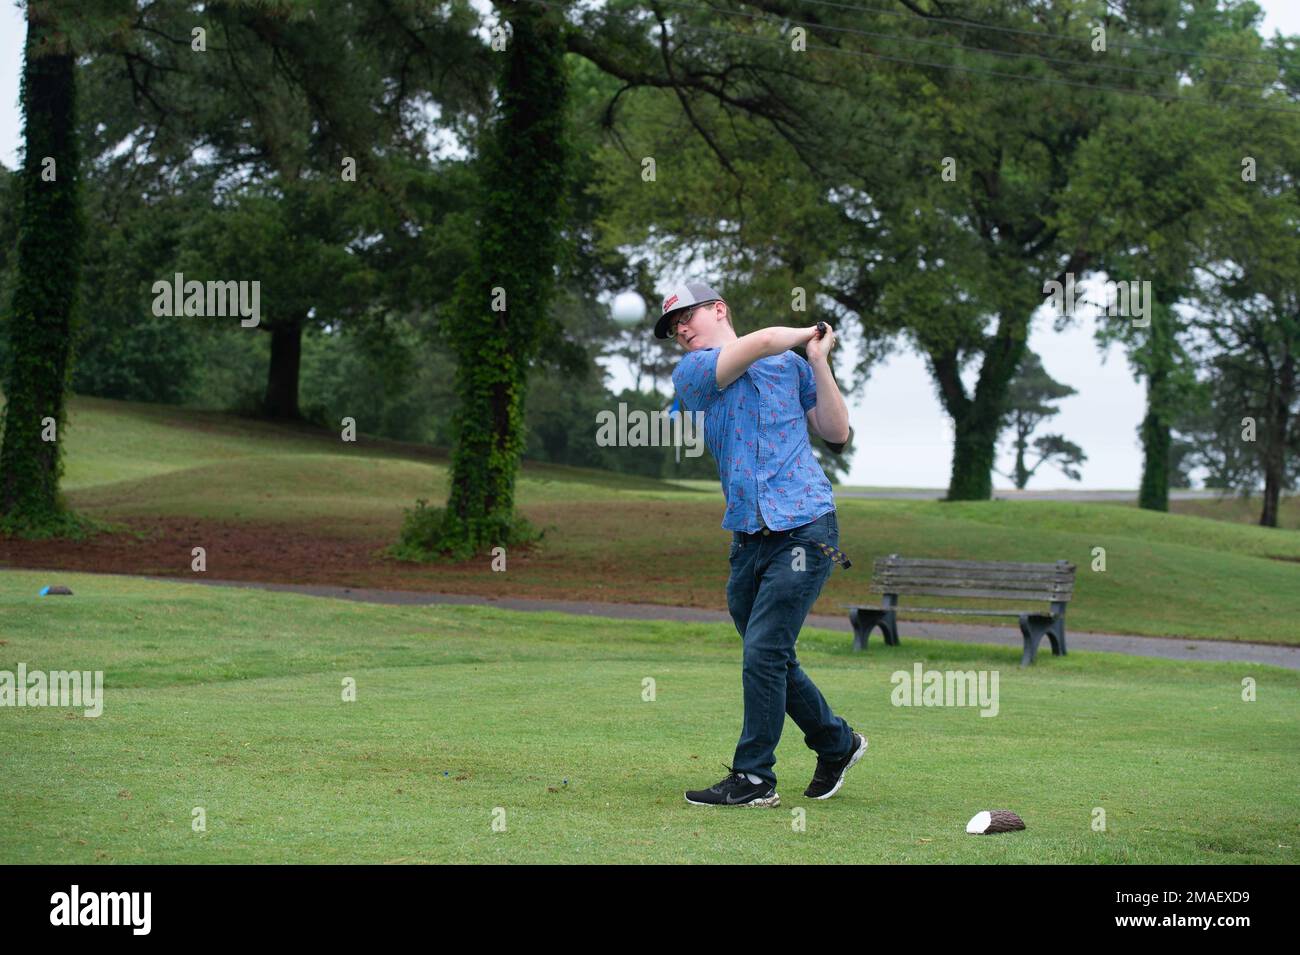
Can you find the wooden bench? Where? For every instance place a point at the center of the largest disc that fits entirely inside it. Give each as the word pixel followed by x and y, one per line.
pixel 896 576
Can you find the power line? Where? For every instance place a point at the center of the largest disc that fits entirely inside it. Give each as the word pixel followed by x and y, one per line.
pixel 861 54
pixel 1109 68
pixel 971 25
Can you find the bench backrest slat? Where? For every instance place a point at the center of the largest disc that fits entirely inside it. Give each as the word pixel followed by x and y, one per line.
pixel 969 592
pixel 992 593
pixel 1001 578
pixel 997 580
pixel 934 563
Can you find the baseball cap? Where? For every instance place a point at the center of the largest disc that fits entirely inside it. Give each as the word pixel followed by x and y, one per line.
pixel 679 297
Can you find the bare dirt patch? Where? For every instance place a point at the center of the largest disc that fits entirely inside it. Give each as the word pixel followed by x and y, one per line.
pixel 587 554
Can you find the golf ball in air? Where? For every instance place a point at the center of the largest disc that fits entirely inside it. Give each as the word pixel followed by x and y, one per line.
pixel 628 308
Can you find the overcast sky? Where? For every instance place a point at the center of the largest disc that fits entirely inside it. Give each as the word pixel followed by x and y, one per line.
pixel 900 429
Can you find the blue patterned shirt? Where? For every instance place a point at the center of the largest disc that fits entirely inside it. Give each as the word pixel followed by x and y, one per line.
pixel 757 432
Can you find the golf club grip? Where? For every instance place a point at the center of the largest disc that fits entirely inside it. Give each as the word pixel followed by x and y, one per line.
pixel 821 330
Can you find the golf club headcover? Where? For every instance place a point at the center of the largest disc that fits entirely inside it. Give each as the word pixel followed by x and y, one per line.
pixel 994 820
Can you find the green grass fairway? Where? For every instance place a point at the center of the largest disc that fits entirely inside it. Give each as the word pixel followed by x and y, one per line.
pixel 230 701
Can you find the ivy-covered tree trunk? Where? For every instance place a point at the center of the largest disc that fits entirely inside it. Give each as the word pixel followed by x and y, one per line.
pixel 283 371
pixel 46 266
pixel 501 313
pixel 973 450
pixel 1156 443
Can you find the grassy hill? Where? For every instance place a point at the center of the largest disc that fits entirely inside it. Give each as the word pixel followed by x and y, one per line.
pixel 285 503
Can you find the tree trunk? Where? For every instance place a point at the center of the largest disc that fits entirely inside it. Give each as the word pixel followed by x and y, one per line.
pixel 976 420
pixel 282 373
pixel 1272 487
pixel 502 303
pixel 1278 424
pixel 972 457
pixel 1022 473
pixel 47 266
pixel 1153 494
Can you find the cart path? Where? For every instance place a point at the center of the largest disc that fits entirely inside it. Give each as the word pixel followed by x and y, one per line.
pixel 1166 647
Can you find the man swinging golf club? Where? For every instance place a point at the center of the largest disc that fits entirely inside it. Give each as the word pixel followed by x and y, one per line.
pixel 760 402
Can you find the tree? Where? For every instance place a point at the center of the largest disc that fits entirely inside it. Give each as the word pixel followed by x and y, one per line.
pixel 307 122
pixel 1226 431
pixel 1255 389
pixel 971 249
pixel 501 314
pixel 46 264
pixel 1249 319
pixel 1139 197
pixel 302 239
pixel 1029 403
pixel 123 350
pixel 924 201
pixel 1153 185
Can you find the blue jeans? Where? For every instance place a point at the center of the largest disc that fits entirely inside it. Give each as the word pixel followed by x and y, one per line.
pixel 769 594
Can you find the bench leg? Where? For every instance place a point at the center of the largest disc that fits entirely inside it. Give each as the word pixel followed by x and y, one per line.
pixel 1033 627
pixel 864 621
pixel 1058 628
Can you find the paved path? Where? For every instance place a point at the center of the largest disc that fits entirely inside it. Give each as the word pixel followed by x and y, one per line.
pixel 1169 648
pixel 1011 494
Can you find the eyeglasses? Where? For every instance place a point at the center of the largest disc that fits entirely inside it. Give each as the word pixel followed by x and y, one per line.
pixel 672 331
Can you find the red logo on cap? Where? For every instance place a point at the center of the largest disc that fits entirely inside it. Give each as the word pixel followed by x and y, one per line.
pixel 669 304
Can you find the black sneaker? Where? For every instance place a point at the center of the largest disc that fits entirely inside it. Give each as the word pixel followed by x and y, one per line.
pixel 829 776
pixel 735 790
